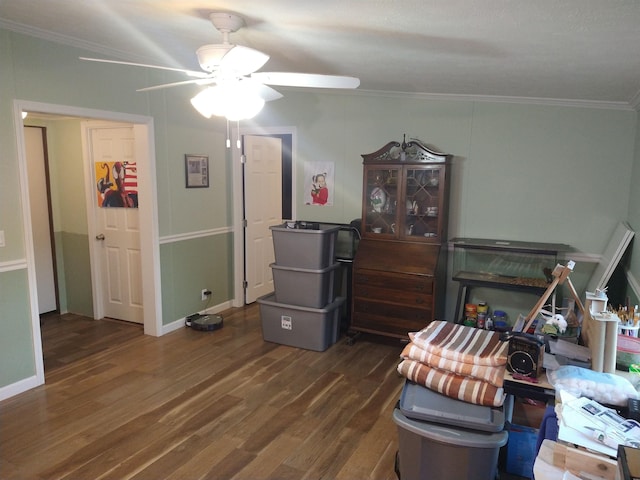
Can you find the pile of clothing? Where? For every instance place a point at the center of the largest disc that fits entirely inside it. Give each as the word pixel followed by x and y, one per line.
pixel 460 362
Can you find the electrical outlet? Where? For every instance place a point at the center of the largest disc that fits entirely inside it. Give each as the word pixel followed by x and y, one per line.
pixel 205 293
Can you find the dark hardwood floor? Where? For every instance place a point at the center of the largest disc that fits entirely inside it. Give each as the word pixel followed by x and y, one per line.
pixel 202 405
pixel 224 404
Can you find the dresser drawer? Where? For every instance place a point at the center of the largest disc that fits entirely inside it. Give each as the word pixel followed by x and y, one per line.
pixel 370 315
pixel 410 298
pixel 393 281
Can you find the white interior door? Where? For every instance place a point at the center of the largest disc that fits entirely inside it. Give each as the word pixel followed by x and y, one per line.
pixel 117 225
pixel 40 219
pixel 263 208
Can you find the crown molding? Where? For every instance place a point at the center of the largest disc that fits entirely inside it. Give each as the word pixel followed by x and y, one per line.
pixel 70 41
pixel 503 99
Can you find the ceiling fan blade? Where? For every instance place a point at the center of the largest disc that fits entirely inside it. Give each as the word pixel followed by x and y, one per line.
pixel 305 80
pixel 265 92
pixel 191 73
pixel 243 60
pixel 198 81
pixel 268 93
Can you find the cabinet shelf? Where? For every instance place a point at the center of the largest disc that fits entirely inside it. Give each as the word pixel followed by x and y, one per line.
pixel 500 281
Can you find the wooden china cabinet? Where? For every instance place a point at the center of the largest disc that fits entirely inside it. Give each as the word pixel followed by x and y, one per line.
pixel 399 271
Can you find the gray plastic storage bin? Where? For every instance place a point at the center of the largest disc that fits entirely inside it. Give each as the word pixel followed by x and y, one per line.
pixel 302 327
pixel 432 451
pixel 303 286
pixel 304 248
pixel 420 403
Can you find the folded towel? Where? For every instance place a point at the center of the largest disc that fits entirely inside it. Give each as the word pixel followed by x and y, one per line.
pixel 455 386
pixel 461 343
pixel 488 373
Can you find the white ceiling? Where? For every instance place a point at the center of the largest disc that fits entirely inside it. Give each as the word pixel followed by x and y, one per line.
pixel 558 50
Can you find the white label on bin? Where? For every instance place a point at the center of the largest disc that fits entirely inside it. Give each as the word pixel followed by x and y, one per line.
pixel 286 322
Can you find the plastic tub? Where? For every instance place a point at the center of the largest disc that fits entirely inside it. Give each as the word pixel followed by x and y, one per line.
pixel 627 351
pixel 431 451
pixel 420 403
pixel 303 327
pixel 304 248
pixel 303 286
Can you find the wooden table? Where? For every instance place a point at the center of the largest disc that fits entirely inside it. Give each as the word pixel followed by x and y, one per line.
pixel 541 389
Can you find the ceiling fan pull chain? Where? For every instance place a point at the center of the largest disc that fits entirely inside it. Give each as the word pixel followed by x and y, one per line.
pixel 228 139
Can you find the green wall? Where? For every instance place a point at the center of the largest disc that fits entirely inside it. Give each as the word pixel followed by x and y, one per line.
pixel 190 266
pixel 15 340
pixel 521 171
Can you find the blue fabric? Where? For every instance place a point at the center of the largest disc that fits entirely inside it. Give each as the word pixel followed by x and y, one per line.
pixel 548 429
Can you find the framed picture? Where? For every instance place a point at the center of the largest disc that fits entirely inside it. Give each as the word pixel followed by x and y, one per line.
pixel 196 170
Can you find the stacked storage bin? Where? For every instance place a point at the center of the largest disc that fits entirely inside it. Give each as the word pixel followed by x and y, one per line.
pixel 441 437
pixel 303 311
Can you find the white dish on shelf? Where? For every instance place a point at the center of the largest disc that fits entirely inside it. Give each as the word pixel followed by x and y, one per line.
pixel 378 199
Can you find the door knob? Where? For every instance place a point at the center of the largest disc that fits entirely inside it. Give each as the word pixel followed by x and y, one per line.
pixel 100 237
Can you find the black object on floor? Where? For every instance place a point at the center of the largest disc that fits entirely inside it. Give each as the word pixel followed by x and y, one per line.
pixel 204 323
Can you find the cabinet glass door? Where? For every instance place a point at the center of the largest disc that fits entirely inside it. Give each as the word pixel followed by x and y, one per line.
pixel 422 206
pixel 381 200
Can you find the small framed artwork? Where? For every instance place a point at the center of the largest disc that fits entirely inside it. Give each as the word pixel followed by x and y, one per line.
pixel 196 170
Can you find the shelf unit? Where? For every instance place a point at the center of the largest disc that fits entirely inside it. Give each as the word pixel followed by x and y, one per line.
pixel 503 264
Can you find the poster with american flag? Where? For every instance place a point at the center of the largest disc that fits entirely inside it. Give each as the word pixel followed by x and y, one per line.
pixel 117 184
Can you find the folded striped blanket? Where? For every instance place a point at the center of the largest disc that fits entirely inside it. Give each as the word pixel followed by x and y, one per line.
pixel 452 385
pixel 460 343
pixel 489 373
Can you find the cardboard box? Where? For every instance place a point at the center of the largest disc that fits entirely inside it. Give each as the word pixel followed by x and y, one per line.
pixel 629 463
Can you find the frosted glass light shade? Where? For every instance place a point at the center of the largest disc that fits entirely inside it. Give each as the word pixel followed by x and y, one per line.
pixel 234 100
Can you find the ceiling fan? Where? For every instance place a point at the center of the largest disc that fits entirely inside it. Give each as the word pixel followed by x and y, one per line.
pixel 236 90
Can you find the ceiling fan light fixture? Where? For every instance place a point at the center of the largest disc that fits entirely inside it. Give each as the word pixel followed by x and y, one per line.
pixel 244 108
pixel 234 101
pixel 204 101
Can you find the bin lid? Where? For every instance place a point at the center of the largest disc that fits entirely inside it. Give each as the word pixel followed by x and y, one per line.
pixel 451 435
pixel 322 229
pixel 420 403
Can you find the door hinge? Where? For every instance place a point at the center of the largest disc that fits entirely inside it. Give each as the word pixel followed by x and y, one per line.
pixel 245 284
pixel 243 158
pixel 244 223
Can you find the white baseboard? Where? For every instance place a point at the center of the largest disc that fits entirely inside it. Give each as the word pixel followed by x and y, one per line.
pixel 178 324
pixel 19 387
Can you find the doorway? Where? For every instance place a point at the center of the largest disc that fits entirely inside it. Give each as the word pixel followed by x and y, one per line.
pixel 44 248
pixel 150 263
pixel 287 135
pixel 115 248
